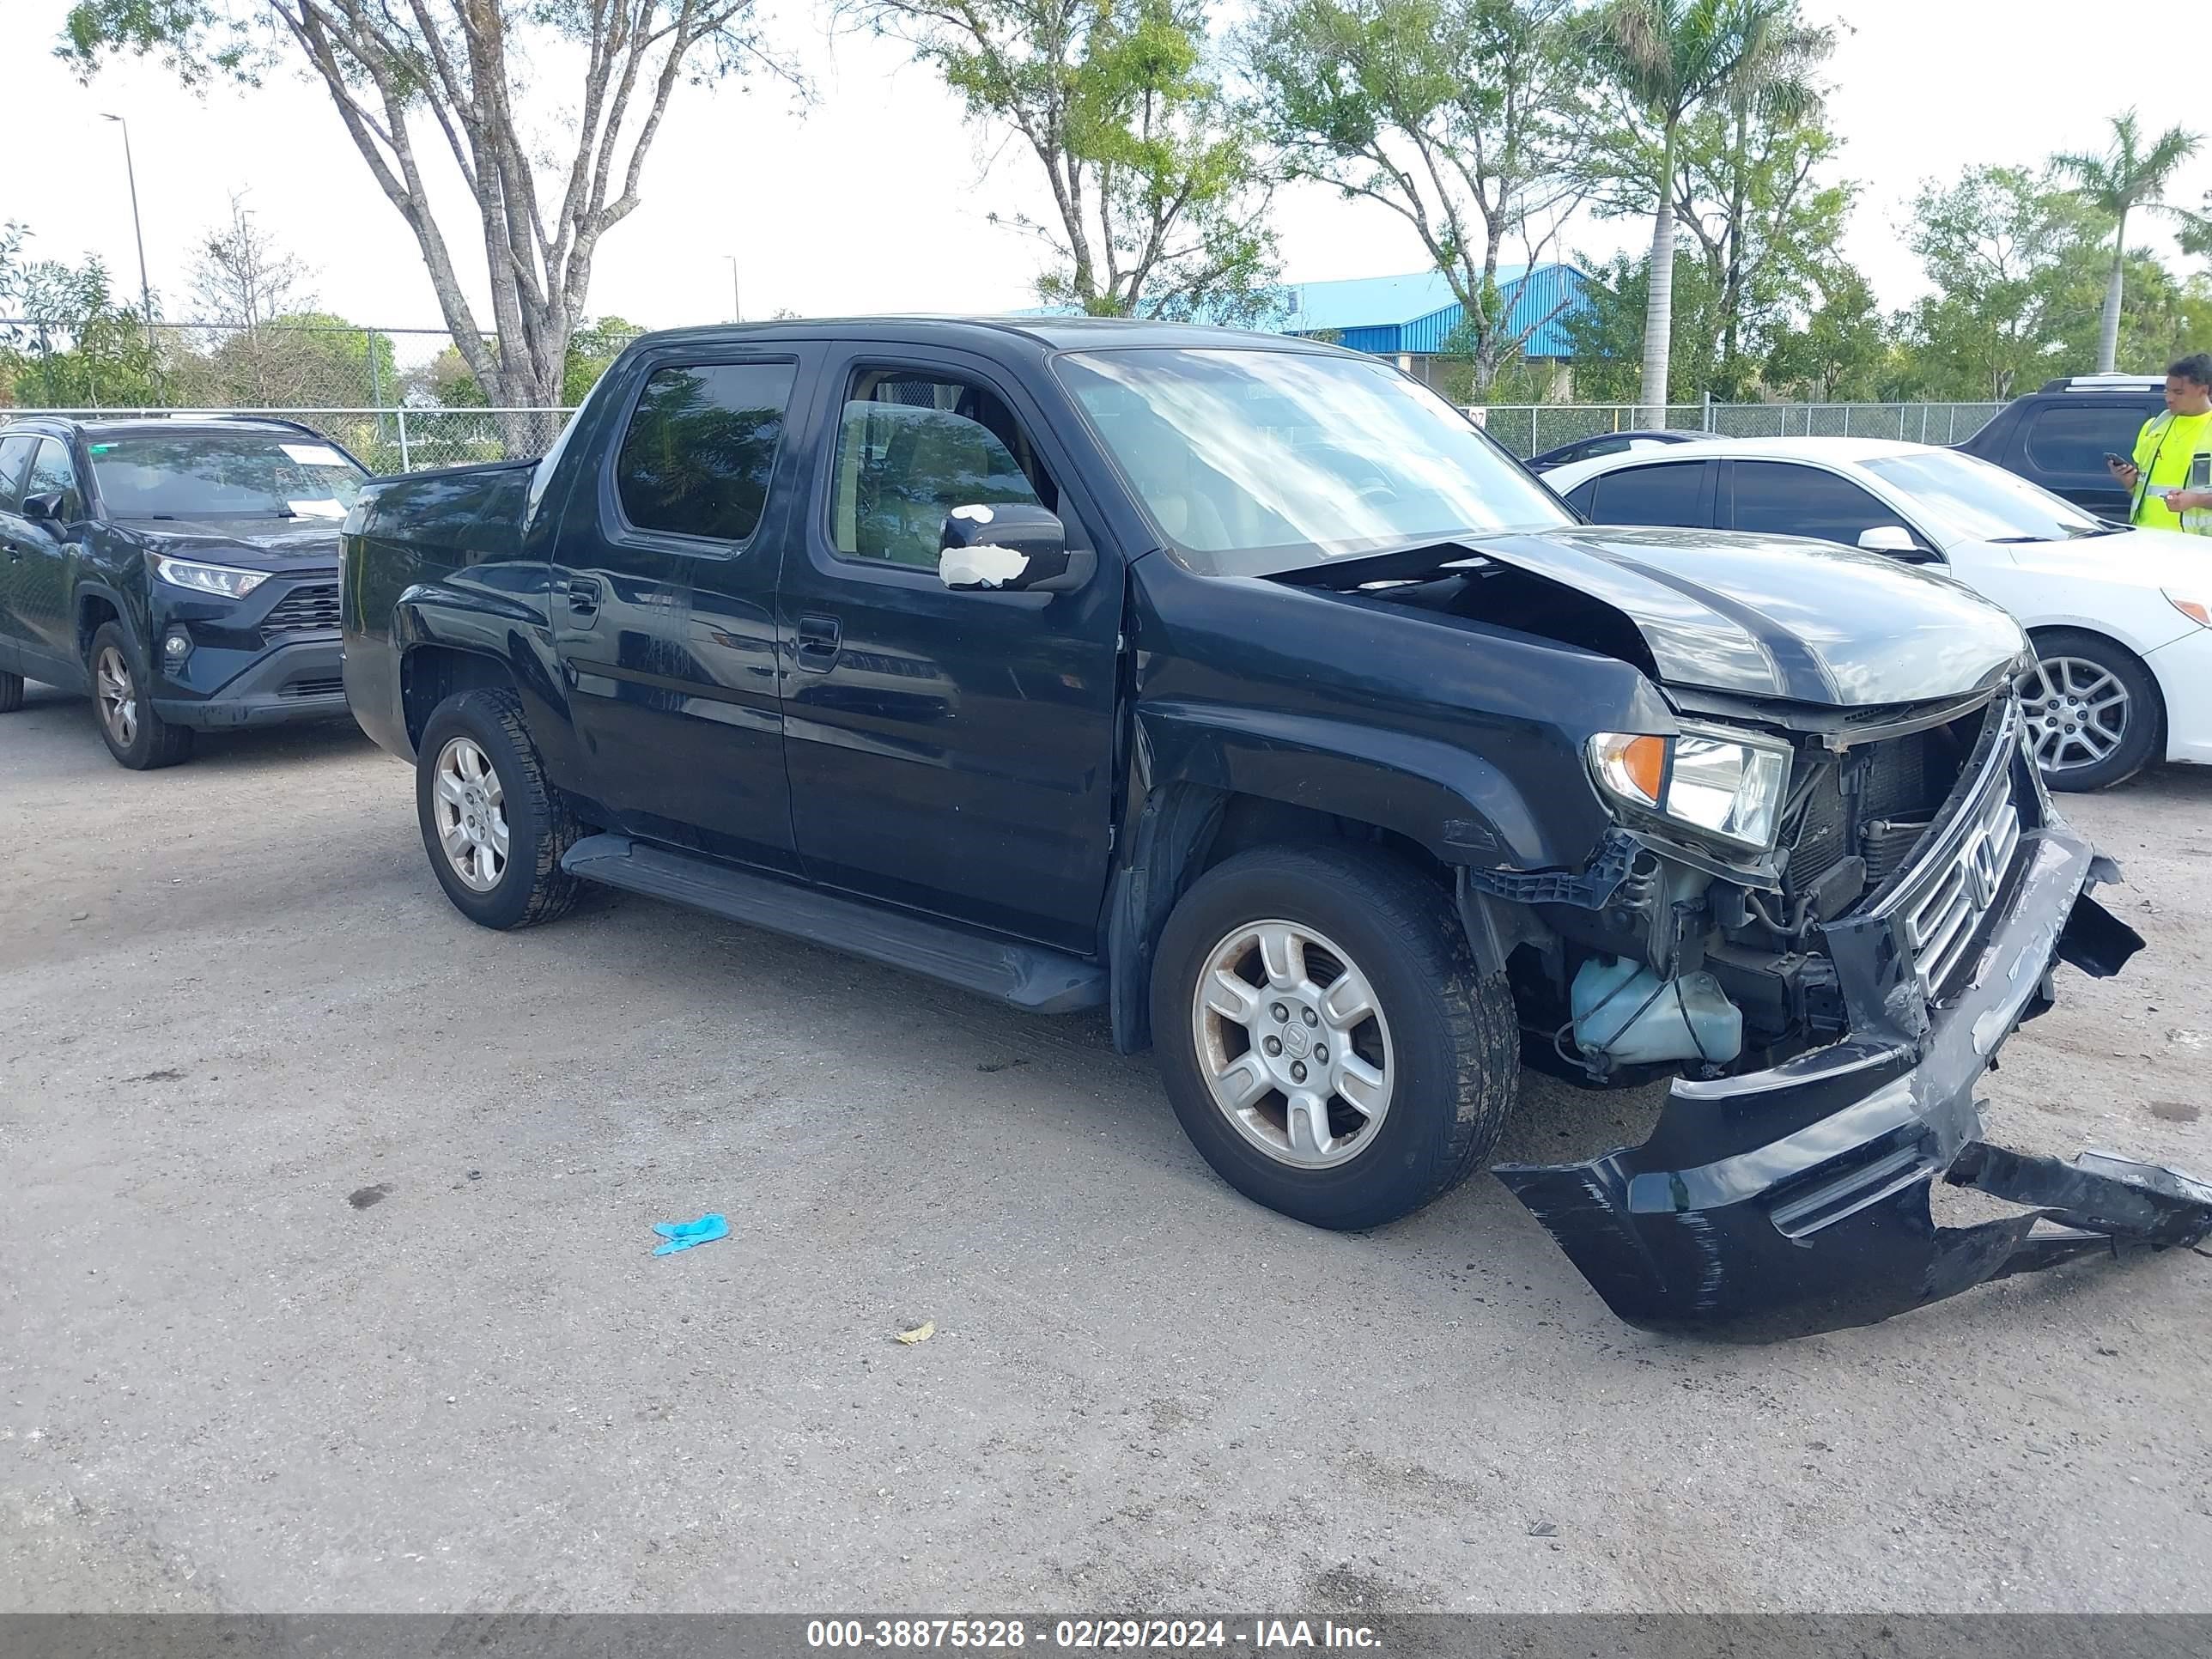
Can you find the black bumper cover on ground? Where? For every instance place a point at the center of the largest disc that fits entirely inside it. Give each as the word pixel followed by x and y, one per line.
pixel 1797 1199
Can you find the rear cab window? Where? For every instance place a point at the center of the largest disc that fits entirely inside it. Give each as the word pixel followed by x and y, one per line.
pixel 699 451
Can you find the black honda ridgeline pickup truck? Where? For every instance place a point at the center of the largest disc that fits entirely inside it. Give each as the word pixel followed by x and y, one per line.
pixel 1241 687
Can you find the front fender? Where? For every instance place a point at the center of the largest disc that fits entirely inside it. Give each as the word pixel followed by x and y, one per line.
pixel 1456 803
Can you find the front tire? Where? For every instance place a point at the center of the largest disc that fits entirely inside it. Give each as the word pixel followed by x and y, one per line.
pixel 1325 1037
pixel 2093 711
pixel 138 737
pixel 494 828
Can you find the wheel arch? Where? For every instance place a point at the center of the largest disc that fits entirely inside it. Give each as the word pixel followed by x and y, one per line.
pixel 96 605
pixel 2037 633
pixel 431 672
pixel 1181 829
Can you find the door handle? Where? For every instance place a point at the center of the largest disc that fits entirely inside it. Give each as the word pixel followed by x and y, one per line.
pixel 583 597
pixel 819 639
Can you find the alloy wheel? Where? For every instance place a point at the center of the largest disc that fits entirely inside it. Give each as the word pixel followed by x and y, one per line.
pixel 2077 713
pixel 1292 1044
pixel 471 813
pixel 119 697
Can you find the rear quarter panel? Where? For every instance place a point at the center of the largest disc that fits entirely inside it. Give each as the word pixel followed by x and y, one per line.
pixel 438 558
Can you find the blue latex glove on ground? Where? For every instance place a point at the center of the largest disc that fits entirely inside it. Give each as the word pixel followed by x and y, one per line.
pixel 682 1235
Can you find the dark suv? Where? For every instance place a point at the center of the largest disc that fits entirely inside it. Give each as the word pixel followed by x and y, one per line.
pixel 183 571
pixel 2058 435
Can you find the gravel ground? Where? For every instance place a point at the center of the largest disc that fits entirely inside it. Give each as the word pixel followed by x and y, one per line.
pixel 325 1281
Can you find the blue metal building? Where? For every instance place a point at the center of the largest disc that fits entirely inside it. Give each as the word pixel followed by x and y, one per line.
pixel 1412 318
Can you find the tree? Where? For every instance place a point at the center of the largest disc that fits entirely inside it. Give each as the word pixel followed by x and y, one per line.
pixel 73 346
pixel 1842 352
pixel 1159 210
pixel 2012 260
pixel 1449 112
pixel 2128 175
pixel 242 277
pixel 459 64
pixel 1667 60
pixel 242 280
pixel 1607 331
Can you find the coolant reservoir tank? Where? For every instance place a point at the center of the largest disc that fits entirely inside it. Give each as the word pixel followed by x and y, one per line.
pixel 1686 1017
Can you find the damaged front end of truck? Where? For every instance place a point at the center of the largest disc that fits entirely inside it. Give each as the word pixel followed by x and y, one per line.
pixel 1827 898
pixel 1924 893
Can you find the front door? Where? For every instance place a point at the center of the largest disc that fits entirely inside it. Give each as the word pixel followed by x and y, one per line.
pixel 663 595
pixel 949 752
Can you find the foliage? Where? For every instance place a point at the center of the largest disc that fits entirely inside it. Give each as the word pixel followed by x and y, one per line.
pixel 543 194
pixel 2130 174
pixel 1449 112
pixel 1159 204
pixel 75 346
pixel 1666 63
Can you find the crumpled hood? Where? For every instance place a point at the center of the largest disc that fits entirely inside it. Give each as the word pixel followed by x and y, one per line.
pixel 1778 617
pixel 273 543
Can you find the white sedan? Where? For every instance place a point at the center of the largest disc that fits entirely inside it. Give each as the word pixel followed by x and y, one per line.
pixel 2121 619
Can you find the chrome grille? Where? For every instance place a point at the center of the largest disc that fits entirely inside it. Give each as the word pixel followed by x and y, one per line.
pixel 1939 922
pixel 306 610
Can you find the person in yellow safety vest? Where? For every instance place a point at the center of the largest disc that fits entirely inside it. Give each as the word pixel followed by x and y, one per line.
pixel 2171 475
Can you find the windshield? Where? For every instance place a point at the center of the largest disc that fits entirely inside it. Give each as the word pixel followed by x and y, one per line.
pixel 1971 500
pixel 223 475
pixel 1252 462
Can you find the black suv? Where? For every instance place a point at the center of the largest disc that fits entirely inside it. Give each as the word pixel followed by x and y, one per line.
pixel 183 571
pixel 2057 436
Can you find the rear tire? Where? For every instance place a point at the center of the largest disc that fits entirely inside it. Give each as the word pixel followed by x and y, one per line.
pixel 2095 713
pixel 494 828
pixel 1409 1099
pixel 11 693
pixel 138 737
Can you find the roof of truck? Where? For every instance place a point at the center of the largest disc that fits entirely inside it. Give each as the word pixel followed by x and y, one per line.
pixel 1053 333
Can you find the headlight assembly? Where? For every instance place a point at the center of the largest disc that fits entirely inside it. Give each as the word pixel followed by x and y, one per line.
pixel 1731 788
pixel 224 581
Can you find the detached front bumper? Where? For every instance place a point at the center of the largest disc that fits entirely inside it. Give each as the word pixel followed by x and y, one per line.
pixel 1796 1199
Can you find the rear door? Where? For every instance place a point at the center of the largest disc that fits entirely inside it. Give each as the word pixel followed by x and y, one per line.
pixel 949 752
pixel 663 602
pixel 1662 493
pixel 28 557
pixel 2062 445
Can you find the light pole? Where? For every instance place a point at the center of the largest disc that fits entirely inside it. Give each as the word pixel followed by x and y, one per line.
pixel 131 171
pixel 737 304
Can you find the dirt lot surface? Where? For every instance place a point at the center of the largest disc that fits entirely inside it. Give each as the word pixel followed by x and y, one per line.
pixel 325 1280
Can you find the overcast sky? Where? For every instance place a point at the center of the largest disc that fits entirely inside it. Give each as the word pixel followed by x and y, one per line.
pixel 873 197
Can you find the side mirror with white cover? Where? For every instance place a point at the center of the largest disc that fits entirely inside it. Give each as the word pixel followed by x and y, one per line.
pixel 1009 548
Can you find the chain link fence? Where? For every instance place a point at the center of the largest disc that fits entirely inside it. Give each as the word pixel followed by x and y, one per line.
pixel 1532 428
pixel 108 362
pixel 384 441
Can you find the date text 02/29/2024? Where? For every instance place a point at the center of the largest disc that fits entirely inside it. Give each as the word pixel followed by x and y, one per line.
pixel 1111 1634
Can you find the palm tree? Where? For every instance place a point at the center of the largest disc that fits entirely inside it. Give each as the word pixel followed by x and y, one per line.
pixel 2124 177
pixel 1672 57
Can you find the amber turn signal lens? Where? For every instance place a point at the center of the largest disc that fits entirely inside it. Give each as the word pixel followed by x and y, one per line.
pixel 1633 765
pixel 2195 610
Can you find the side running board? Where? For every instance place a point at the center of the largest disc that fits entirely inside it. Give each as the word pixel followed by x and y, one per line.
pixel 1031 977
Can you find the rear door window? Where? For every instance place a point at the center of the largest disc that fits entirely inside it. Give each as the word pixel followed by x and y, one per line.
pixel 2066 443
pixel 701 446
pixel 1670 492
pixel 1781 498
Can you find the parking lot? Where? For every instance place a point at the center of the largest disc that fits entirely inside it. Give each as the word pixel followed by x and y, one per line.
pixel 327 1283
